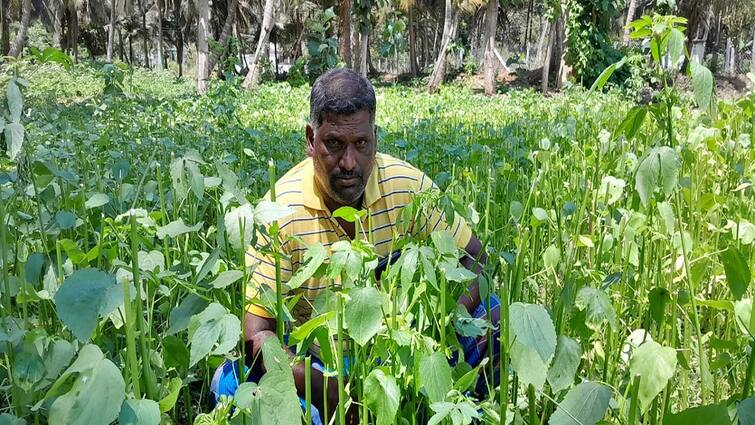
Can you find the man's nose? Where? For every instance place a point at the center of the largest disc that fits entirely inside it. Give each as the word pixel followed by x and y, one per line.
pixel 348 159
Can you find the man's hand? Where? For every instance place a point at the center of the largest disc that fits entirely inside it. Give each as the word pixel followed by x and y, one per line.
pixel 473 261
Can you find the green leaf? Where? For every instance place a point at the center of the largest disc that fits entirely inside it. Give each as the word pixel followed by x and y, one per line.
pixel 597 306
pixel 435 376
pixel 94 397
pixel 611 189
pixel 83 297
pixel 15 101
pixel 267 212
pixel 65 220
pixel 737 271
pixel 234 220
pixel 584 404
pixel 702 85
pixel 565 364
pixel 655 365
pixel 8 419
pixel 532 327
pixel 382 396
pixel 659 169
pixel 313 259
pixel 746 411
pixel 14 139
pixel 180 316
pixel 139 412
pixel 302 332
pixel 702 415
pixel 278 401
pixel 676 46
pixel 226 278
pixel 363 314
pixel 176 228
pixel 529 366
pixel 632 122
pixel 174 389
pixel 551 257
pixel 606 74
pixel 213 331
pixel 743 314
pixel 349 214
pixel 96 200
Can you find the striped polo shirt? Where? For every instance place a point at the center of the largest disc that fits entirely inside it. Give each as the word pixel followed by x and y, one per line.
pixel 389 188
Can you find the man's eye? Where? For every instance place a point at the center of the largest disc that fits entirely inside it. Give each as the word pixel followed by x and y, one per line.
pixel 332 143
pixel 361 143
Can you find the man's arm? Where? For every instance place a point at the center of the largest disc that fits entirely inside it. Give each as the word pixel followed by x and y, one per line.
pixel 256 330
pixel 473 261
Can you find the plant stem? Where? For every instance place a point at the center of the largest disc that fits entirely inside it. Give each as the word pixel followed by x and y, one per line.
pixel 308 388
pixel 279 329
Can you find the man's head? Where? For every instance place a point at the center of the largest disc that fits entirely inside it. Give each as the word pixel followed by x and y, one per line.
pixel 341 135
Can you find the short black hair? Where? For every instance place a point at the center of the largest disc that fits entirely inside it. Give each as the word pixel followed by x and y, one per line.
pixel 340 91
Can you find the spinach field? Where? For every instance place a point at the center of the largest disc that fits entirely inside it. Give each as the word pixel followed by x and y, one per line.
pixel 619 239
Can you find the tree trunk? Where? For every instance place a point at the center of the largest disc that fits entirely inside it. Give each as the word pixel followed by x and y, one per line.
pixel 5 27
pixel 20 41
pixel 630 17
pixel 73 30
pixel 545 28
pixel 252 77
pixel 179 36
pixel 160 62
pixel 225 33
pixel 56 17
pixel 528 33
pixel 203 30
pixel 548 54
pixel 145 38
pixel 111 30
pixel 439 69
pixel 563 69
pixel 344 31
pixel 752 51
pixel 490 64
pixel 120 44
pixel 364 38
pixel 412 45
pixel 728 60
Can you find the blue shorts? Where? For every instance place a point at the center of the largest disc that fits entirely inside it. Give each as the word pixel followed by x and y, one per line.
pixel 225 381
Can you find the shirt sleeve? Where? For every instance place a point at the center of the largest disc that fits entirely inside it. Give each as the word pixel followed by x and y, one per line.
pixel 263 276
pixel 436 220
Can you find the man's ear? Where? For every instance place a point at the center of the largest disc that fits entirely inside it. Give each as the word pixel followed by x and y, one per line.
pixel 310 140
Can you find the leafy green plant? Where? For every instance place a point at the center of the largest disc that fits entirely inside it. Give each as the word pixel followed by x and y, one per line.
pixel 322 48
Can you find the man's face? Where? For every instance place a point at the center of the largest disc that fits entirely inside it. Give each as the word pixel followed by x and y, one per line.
pixel 343 153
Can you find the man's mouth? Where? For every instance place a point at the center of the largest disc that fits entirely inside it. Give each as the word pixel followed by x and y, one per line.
pixel 348 180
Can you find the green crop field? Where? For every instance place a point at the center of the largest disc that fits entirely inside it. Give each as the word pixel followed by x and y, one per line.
pixel 619 238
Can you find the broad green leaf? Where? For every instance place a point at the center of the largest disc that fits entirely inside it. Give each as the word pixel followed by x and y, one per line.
pixel 532 327
pixel 435 376
pixel 611 189
pixel 267 212
pixel 196 179
pixel 313 259
pixel 528 364
pixel 173 390
pixel 8 419
pixel 302 332
pixel 702 415
pixel 584 404
pixel 702 85
pixel 349 214
pixel 746 411
pixel 226 278
pixel 676 46
pixel 176 228
pixel 94 397
pixel 606 74
pixel 655 365
pixel 737 271
pixel 180 316
pixel 153 261
pixel 213 331
pixel 632 122
pixel 235 220
pixel 139 412
pixel 551 257
pixel 743 314
pixel 659 169
pixel 96 200
pixel 363 314
pixel 15 101
pixel 667 214
pixel 382 396
pixel 565 364
pixel 65 220
pixel 85 296
pixel 14 139
pixel 278 401
pixel 597 307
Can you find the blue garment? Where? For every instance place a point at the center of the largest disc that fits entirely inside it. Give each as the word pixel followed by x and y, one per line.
pixel 225 381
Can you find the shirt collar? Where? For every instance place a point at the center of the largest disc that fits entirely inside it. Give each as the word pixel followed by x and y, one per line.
pixel 313 198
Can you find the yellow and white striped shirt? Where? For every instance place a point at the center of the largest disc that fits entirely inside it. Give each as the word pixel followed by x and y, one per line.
pixel 389 188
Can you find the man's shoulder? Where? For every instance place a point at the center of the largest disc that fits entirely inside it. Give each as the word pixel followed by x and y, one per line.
pixel 394 174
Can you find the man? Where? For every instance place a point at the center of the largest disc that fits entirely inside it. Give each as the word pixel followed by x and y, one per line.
pixel 343 168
